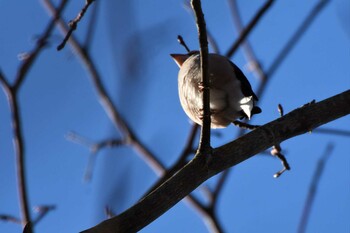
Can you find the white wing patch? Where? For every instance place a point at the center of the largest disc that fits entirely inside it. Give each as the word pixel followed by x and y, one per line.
pixel 247 104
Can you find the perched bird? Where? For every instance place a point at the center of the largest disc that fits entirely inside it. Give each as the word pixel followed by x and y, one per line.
pixel 231 95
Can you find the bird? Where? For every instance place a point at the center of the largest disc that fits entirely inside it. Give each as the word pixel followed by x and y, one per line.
pixel 231 95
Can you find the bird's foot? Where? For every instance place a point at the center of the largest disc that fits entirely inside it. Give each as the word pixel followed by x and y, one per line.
pixel 243 125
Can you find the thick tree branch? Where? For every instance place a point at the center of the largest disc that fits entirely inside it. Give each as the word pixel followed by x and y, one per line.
pixel 198 170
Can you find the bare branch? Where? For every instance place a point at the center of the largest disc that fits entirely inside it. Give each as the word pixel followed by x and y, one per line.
pixel 91 26
pixel 94 146
pixel 253 62
pixel 42 211
pixel 183 43
pixel 313 188
pixel 11 92
pixel 40 44
pixel 9 218
pixel 291 43
pixel 338 132
pixel 106 101
pixel 19 148
pixel 210 37
pixel 199 169
pixel 218 188
pixel 94 149
pixel 276 151
pixel 249 28
pixel 204 143
pixel 109 213
pixel 244 125
pixel 74 23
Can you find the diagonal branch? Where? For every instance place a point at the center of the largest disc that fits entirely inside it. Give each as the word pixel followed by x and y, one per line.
pixel 248 29
pixel 40 44
pixel 248 51
pixel 105 100
pixel 73 24
pixel 313 188
pixel 290 44
pixel 198 170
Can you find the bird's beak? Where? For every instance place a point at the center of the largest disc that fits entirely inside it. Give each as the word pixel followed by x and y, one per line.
pixel 179 58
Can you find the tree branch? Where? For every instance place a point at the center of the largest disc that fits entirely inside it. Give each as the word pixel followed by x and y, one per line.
pixel 313 188
pixel 105 100
pixel 248 29
pixel 294 39
pixel 12 95
pixel 73 24
pixel 204 142
pixel 200 169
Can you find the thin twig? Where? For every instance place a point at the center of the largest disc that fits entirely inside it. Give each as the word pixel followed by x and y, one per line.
pixel 280 110
pixel 277 151
pixel 266 76
pixel 249 28
pixel 183 43
pixel 109 213
pixel 210 37
pixel 291 44
pixel 313 188
pixel 9 218
pixel 218 188
pixel 40 44
pixel 74 23
pixel 11 92
pixel 94 149
pixel 106 101
pixel 254 64
pixel 243 125
pixel 91 26
pixel 42 212
pixel 338 132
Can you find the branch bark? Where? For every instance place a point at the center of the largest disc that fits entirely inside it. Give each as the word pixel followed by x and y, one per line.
pixel 204 142
pixel 201 168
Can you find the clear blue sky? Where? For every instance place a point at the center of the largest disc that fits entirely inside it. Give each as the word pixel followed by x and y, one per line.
pixel 131 46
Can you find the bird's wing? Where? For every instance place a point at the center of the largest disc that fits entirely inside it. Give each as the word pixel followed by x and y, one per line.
pixel 245 85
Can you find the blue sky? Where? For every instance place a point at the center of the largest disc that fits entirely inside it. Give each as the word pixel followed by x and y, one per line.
pixel 131 46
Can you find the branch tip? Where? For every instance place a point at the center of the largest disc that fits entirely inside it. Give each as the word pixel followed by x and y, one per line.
pixel 183 43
